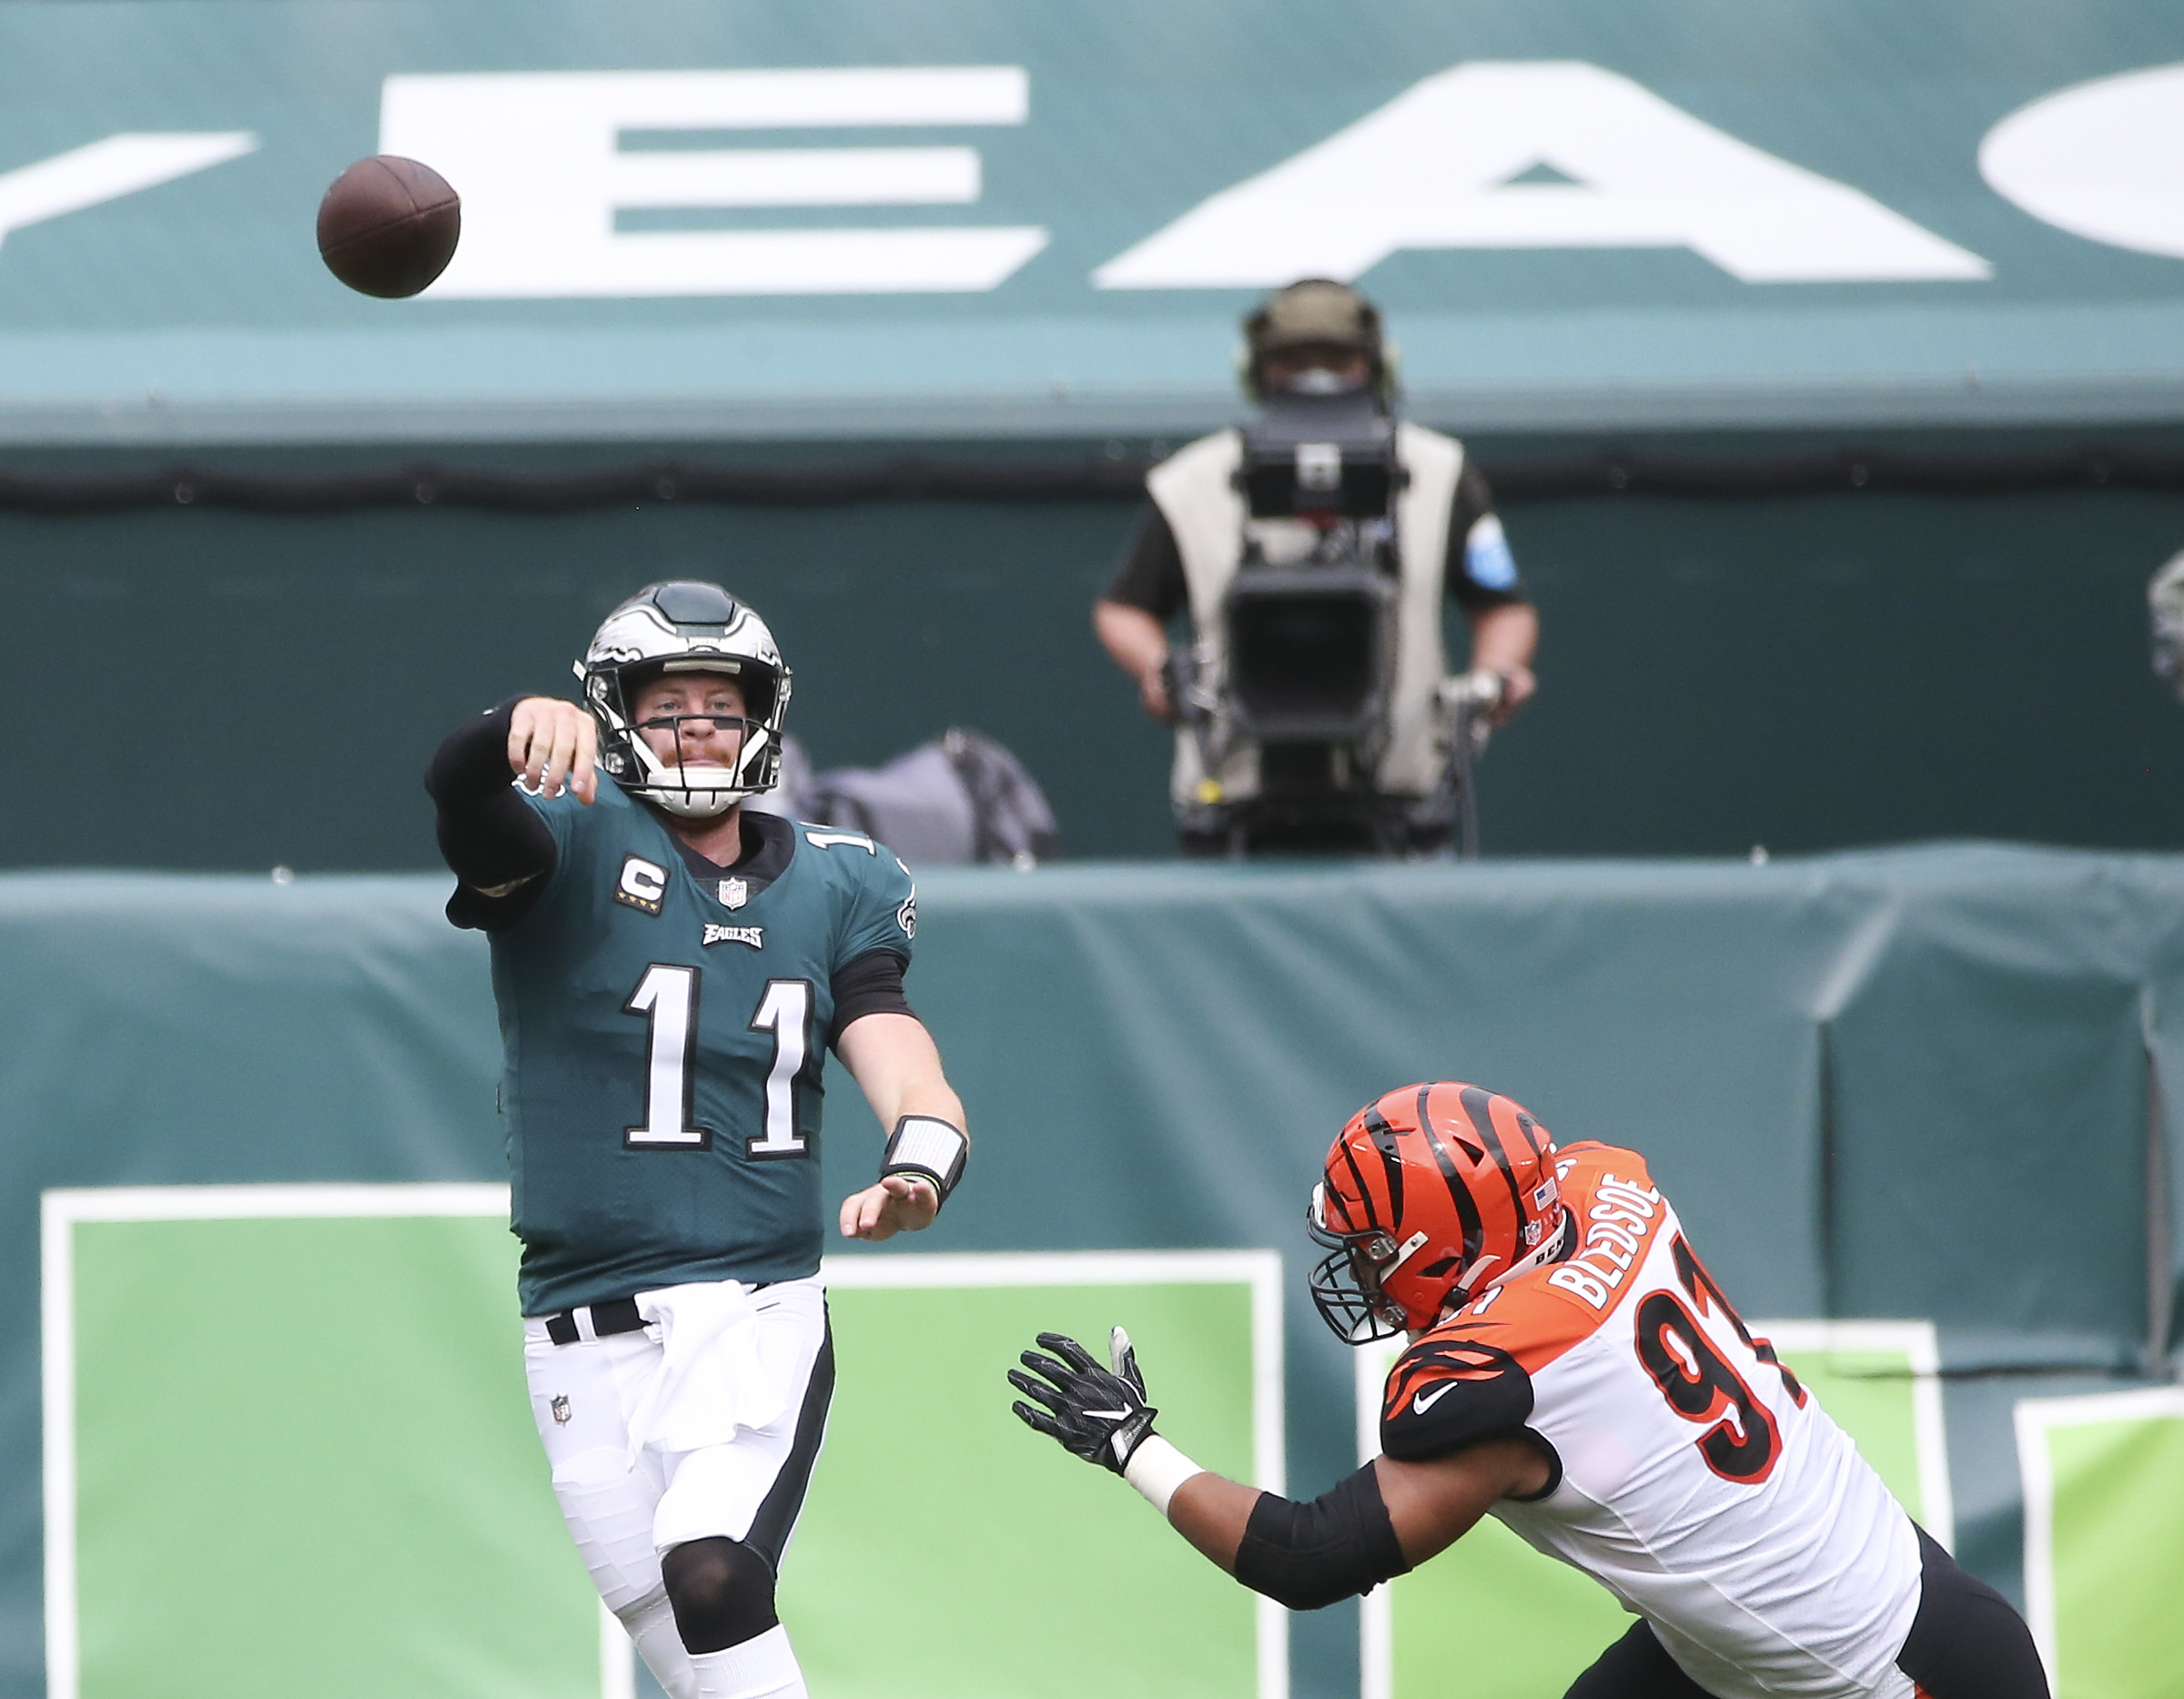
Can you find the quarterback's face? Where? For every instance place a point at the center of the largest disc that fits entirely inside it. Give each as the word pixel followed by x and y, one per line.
pixel 692 719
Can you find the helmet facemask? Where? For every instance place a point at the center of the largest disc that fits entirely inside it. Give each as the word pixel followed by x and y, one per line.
pixel 686 628
pixel 1346 1283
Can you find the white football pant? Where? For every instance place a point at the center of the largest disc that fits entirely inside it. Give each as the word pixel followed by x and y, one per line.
pixel 627 1503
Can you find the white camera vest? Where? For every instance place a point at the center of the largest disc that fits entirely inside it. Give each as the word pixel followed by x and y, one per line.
pixel 1196 492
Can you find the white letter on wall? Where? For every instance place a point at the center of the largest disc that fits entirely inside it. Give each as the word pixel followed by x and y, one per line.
pixel 1432 169
pixel 538 161
pixel 2104 160
pixel 106 170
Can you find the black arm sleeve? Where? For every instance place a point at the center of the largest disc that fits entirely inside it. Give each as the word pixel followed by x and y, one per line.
pixel 1307 1556
pixel 869 985
pixel 1474 502
pixel 1150 575
pixel 488 835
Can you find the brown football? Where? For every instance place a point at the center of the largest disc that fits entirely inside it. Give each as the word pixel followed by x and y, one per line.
pixel 387 227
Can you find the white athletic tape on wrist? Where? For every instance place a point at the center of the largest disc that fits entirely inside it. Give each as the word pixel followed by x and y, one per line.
pixel 927 1145
pixel 1156 1469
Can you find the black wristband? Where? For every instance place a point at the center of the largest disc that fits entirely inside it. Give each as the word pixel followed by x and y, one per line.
pixel 929 1148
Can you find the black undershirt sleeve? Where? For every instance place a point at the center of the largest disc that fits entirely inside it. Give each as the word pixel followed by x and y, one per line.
pixel 1474 502
pixel 1150 576
pixel 490 837
pixel 869 985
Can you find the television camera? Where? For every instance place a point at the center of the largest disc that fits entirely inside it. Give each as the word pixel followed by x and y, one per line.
pixel 1305 666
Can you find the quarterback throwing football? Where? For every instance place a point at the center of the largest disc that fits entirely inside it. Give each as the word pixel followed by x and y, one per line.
pixel 671 968
pixel 1576 1371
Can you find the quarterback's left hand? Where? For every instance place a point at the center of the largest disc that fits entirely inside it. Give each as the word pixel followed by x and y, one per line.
pixel 901 1203
pixel 1101 1415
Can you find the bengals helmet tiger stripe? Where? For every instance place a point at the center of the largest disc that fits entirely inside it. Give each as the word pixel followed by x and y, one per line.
pixel 1430 1195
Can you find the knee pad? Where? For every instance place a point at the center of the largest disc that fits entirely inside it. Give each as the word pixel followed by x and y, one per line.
pixel 722 1591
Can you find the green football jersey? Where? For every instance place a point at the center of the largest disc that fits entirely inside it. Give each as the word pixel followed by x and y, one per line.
pixel 665 1036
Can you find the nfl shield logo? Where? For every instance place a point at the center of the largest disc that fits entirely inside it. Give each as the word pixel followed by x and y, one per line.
pixel 734 893
pixel 561 1409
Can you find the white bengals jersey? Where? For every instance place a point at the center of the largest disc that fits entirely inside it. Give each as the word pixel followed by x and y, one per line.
pixel 1693 1477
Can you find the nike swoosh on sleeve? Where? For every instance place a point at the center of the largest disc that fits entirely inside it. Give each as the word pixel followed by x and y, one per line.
pixel 1425 1400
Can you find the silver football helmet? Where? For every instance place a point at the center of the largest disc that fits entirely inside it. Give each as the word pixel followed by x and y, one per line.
pixel 686 626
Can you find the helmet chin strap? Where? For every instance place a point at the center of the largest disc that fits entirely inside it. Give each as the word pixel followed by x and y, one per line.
pixel 677 790
pixel 675 794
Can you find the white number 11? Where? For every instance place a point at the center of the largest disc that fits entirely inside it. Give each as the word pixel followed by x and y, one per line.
pixel 785 1011
pixel 667 996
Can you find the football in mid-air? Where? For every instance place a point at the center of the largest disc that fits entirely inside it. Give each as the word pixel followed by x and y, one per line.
pixel 387 227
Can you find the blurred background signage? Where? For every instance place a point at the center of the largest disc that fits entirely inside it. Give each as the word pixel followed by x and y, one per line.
pixel 708 219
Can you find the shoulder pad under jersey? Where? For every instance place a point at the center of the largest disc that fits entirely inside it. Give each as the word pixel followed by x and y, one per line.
pixel 1445 1393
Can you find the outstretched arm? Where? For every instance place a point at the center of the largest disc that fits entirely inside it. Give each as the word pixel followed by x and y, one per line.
pixel 1430 1505
pixel 1389 1517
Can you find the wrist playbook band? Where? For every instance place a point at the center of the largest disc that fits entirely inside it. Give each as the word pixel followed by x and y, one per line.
pixel 926 1145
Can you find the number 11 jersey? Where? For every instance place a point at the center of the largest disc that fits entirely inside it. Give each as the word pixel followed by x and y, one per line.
pixel 665 1032
pixel 1694 1476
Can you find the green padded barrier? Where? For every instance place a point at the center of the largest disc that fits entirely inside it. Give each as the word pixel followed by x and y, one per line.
pixel 1988 1135
pixel 2104 1497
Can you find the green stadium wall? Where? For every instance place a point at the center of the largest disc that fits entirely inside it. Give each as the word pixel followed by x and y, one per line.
pixel 1808 673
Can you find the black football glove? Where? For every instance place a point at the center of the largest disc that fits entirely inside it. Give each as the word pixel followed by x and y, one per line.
pixel 1098 1413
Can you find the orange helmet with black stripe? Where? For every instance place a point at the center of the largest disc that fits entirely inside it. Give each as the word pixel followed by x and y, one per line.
pixel 1430 1195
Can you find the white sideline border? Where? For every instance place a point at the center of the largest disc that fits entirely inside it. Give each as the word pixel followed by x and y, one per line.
pixel 60 1212
pixel 2035 1418
pixel 1914 1339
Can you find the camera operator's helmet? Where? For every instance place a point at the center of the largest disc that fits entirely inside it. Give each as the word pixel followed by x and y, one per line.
pixel 686 626
pixel 1429 1196
pixel 1316 312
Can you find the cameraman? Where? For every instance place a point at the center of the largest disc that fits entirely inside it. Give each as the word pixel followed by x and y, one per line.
pixel 1319 338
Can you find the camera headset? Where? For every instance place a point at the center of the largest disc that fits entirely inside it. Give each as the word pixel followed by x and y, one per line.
pixel 1316 311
